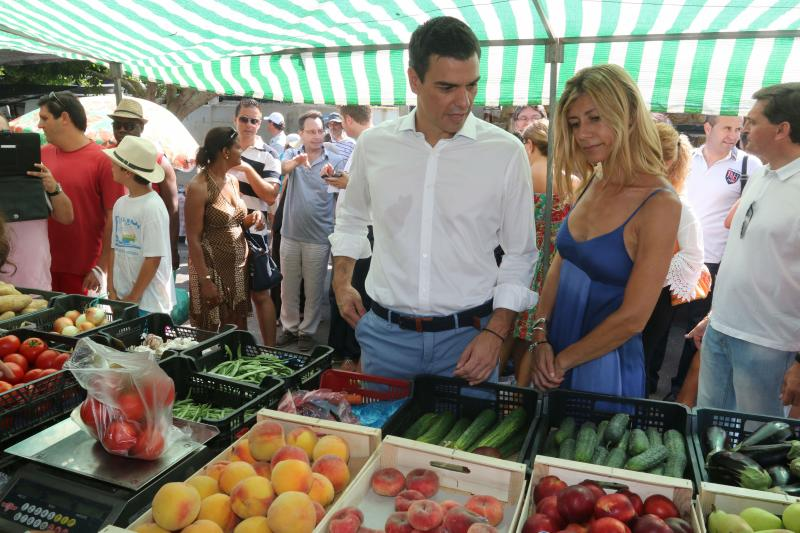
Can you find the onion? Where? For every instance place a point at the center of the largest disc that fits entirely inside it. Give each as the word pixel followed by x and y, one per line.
pixel 95 315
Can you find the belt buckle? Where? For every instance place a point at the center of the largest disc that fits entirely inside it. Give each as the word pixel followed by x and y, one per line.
pixel 415 320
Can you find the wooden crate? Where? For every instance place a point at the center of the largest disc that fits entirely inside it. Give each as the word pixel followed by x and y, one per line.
pixel 363 443
pixel 735 499
pixel 572 472
pixel 461 475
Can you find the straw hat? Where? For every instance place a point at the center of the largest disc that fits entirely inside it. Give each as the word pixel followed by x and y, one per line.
pixel 139 156
pixel 130 109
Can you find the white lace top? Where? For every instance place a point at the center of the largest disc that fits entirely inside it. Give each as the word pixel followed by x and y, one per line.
pixel 687 263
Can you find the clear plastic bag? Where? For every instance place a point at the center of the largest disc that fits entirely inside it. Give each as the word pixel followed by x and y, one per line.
pixel 321 403
pixel 129 400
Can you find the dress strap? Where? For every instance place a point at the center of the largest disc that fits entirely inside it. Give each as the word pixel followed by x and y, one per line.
pixel 588 184
pixel 644 202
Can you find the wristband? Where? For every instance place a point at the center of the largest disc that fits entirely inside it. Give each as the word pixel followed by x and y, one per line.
pixel 503 339
pixel 534 344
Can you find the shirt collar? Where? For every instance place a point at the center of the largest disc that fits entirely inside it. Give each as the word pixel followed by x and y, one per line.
pixel 259 143
pixel 786 171
pixel 699 151
pixel 468 129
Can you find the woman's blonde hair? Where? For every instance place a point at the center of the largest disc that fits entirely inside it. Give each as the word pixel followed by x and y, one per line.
pixel 536 132
pixel 677 152
pixel 636 149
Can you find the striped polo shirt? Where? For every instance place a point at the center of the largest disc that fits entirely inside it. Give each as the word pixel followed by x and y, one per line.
pixel 265 161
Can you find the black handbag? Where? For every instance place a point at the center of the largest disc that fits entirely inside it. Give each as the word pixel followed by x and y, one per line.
pixel 264 273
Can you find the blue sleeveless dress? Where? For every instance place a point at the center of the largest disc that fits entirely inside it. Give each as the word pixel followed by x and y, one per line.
pixel 591 287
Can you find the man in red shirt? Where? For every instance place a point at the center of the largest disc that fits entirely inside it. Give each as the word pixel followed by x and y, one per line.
pixel 79 252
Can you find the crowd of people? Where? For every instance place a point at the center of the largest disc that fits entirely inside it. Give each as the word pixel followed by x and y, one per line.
pixel 435 223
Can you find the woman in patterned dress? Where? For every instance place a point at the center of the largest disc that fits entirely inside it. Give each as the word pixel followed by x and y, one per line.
pixel 216 218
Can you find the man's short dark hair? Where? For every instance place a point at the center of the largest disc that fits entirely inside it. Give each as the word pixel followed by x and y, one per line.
pixel 65 102
pixel 246 102
pixel 301 122
pixel 782 104
pixel 711 120
pixel 360 113
pixel 443 36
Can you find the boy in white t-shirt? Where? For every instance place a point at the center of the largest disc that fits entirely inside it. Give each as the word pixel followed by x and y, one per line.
pixel 141 270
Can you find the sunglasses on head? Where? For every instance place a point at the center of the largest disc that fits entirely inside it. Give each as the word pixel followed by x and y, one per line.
pixel 253 121
pixel 128 126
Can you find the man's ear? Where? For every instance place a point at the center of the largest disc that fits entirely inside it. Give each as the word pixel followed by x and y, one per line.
pixel 707 128
pixel 784 131
pixel 413 80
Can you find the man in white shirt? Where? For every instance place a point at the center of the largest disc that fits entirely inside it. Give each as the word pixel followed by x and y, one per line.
pixel 753 332
pixel 275 126
pixel 442 190
pixel 714 184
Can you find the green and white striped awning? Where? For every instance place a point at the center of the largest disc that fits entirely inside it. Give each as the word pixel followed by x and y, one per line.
pixel 686 55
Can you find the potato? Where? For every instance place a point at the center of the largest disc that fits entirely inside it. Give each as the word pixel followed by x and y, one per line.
pixel 7 315
pixel 15 303
pixel 7 289
pixel 37 304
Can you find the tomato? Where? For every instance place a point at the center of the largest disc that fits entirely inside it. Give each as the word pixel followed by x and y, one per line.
pixel 120 436
pixel 59 361
pixel 17 371
pixel 8 344
pixel 131 405
pixel 90 411
pixel 48 371
pixel 31 348
pixel 149 445
pixel 32 375
pixel 5 387
pixel 16 358
pixel 46 359
pixel 157 391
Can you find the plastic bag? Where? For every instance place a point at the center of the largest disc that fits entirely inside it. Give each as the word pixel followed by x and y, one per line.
pixel 129 400
pixel 322 403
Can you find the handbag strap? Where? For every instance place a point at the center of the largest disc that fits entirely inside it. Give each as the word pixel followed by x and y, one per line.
pixel 256 242
pixel 743 179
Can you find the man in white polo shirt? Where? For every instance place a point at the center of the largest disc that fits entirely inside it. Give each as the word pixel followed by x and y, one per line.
pixel 712 187
pixel 752 335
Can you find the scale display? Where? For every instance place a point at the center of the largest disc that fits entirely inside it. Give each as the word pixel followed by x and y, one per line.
pixel 44 508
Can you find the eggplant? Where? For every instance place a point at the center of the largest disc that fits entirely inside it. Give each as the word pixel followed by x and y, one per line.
pixel 715 438
pixel 791 490
pixel 780 475
pixel 733 468
pixel 769 433
pixel 770 454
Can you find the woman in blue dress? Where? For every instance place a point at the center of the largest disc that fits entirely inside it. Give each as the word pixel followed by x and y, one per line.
pixel 615 247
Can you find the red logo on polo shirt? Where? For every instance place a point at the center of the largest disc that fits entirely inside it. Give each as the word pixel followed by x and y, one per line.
pixel 731 176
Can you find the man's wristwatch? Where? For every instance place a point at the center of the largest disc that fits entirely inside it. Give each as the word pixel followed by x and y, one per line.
pixel 55 192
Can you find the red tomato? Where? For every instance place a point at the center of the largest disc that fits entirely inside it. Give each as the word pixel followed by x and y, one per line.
pixel 8 344
pixel 46 359
pixel 18 373
pixel 59 361
pixel 4 387
pixel 120 436
pixel 16 358
pixel 31 348
pixel 157 391
pixel 32 375
pixel 48 371
pixel 149 445
pixel 131 405
pixel 90 411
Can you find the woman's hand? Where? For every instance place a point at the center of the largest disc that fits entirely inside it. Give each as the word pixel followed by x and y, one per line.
pixel 547 373
pixel 254 219
pixel 209 292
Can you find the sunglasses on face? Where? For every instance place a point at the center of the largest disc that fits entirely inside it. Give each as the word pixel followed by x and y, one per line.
pixel 124 126
pixel 253 121
pixel 747 218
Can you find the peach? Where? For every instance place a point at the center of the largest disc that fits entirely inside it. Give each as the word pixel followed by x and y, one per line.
pixel 398 523
pixel 263 469
pixel 346 524
pixel 241 452
pixel 349 511
pixel 333 468
pixel 254 524
pixel 252 497
pixel 289 452
pixel 321 490
pixel 331 445
pixel 233 474
pixel 175 505
pixel 217 508
pixel 459 520
pixel 203 526
pixel 425 514
pixel 205 485
pixel 303 437
pixel 424 480
pixel 388 481
pixel 404 499
pixel 488 507
pixel 449 504
pixel 292 512
pixel 150 528
pixel 213 471
pixel 266 438
pixel 291 475
pixel 320 511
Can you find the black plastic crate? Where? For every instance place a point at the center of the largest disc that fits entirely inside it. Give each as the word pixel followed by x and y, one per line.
pixel 133 332
pixel 307 367
pixel 441 394
pixel 738 425
pixel 586 406
pixel 49 296
pixel 246 399
pixel 43 320
pixel 36 404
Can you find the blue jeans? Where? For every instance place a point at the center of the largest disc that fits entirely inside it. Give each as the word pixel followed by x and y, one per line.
pixel 741 376
pixel 387 350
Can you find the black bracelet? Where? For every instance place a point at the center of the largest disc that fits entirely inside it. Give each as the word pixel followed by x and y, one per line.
pixel 503 339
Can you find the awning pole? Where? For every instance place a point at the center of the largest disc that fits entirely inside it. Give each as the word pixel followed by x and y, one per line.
pixel 116 74
pixel 554 54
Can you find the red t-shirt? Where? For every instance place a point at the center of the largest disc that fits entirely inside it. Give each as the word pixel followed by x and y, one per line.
pixel 85 175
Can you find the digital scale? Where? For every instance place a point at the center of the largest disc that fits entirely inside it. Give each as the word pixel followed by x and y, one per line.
pixel 62 480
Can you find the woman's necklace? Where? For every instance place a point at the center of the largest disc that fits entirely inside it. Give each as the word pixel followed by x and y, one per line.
pixel 221 188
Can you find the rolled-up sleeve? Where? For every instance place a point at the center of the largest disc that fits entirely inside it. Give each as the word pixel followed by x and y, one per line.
pixel 518 239
pixel 349 237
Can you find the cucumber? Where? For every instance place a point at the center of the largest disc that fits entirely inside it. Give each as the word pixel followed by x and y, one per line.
pixel 478 427
pixel 420 426
pixel 659 470
pixel 647 460
pixel 460 427
pixel 676 460
pixel 616 428
pixel 600 455
pixel 585 443
pixel 567 450
pixel 439 429
pixel 623 442
pixel 638 443
pixel 511 448
pixel 509 426
pixel 550 446
pixel 566 430
pixel 616 458
pixel 601 429
pixel 654 436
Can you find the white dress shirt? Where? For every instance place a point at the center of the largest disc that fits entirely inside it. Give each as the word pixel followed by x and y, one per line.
pixel 438 213
pixel 687 263
pixel 757 297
